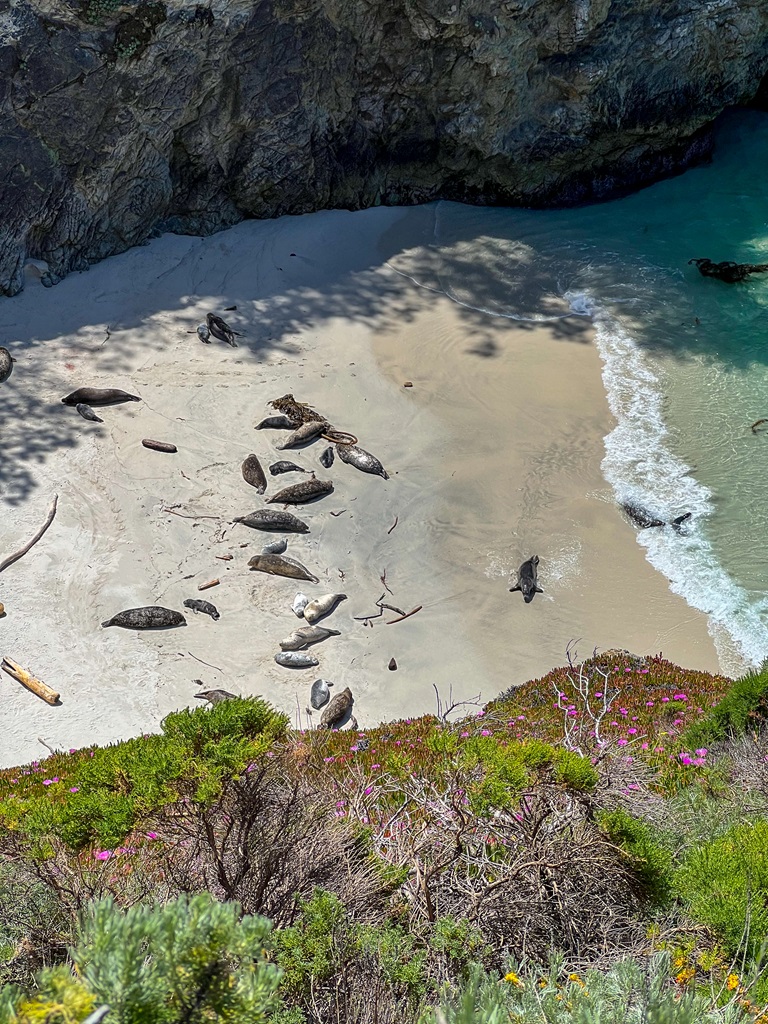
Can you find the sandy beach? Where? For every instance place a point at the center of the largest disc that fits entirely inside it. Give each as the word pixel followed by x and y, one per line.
pixel 493 454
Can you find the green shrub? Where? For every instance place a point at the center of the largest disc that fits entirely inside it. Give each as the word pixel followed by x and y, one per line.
pixel 649 861
pixel 744 706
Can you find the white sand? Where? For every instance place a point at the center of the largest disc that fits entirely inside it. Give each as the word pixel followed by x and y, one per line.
pixel 492 458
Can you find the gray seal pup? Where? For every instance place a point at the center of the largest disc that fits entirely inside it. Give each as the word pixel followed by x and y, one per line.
pixel 300 602
pixel 297 494
pixel 326 458
pixel 285 467
pixel 87 412
pixel 272 519
pixel 253 474
pixel 6 365
pixel 202 606
pixel 337 710
pixel 321 606
pixel 320 694
pixel 151 617
pixel 277 547
pixel 99 396
pixel 296 659
pixel 204 334
pixel 306 432
pixel 305 636
pixel 215 696
pixel 361 459
pixel 275 423
pixel 527 582
pixel 220 329
pixel 280 565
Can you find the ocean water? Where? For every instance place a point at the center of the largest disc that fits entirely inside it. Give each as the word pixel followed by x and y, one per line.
pixel 685 359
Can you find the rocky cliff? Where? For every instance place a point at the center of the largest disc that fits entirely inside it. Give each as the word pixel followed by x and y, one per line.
pixel 120 121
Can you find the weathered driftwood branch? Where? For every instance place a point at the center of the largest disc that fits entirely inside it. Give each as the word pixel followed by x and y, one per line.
pixel 22 551
pixel 36 686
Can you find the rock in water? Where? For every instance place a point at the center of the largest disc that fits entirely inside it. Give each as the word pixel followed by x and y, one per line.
pixel 151 617
pixel 272 519
pixel 296 659
pixel 337 709
pixel 321 606
pixel 281 565
pixel 320 694
pixel 361 459
pixel 253 474
pixel 296 494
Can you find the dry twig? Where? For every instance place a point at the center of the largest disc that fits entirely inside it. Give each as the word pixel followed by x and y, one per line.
pixel 22 551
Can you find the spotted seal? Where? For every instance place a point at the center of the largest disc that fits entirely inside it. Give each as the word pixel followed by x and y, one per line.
pixel 320 694
pixel 151 617
pixel 285 467
pixel 281 565
pixel 6 365
pixel 337 710
pixel 273 519
pixel 306 432
pixel 275 423
pixel 321 606
pixel 527 582
pixel 305 636
pixel 253 474
pixel 296 659
pixel 297 494
pixel 361 459
pixel 99 396
pixel 202 606
pixel 87 413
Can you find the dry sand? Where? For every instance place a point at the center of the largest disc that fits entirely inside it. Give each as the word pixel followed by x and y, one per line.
pixel 493 455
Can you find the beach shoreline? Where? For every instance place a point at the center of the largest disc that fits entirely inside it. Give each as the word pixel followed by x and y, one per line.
pixel 493 454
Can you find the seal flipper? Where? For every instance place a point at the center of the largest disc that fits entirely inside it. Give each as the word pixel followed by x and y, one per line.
pixel 516 587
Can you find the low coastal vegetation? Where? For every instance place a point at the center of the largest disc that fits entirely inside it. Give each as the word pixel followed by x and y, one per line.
pixel 590 846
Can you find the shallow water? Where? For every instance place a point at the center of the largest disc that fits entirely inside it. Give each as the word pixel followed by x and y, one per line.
pixel 685 359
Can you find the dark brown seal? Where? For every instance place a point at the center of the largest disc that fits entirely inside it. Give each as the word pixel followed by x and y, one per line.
pixel 527 579
pixel 273 519
pixel 160 446
pixel 151 617
pixel 253 474
pixel 99 396
pixel 337 709
pixel 275 423
pixel 281 565
pixel 285 467
pixel 6 364
pixel 296 494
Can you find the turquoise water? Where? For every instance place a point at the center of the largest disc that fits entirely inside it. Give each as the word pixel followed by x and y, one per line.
pixel 685 359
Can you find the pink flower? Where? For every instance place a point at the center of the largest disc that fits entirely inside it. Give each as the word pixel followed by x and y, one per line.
pixel 599 693
pixel 50 782
pixel 521 718
pixel 649 703
pixel 622 742
pixel 701 752
pixel 680 696
pixel 485 732
pixel 102 854
pixel 73 750
pixel 74 789
pixel 151 835
pixel 329 759
pixel 375 766
pixel 463 735
pixel 368 791
pixel 665 700
pixel 631 732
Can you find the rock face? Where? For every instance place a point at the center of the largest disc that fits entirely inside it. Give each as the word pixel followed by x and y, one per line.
pixel 123 121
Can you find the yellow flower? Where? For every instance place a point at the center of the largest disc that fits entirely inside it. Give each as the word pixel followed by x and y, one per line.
pixel 685 975
pixel 513 979
pixel 732 982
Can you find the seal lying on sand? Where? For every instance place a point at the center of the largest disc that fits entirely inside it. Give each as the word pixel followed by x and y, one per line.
pixel 220 329
pixel 321 606
pixel 215 696
pixel 285 467
pixel 337 709
pixel 99 396
pixel 727 270
pixel 273 519
pixel 527 581
pixel 87 413
pixel 361 459
pixel 305 636
pixel 151 617
pixel 301 435
pixel 296 659
pixel 275 423
pixel 281 565
pixel 6 364
pixel 297 494
pixel 320 694
pixel 253 474
pixel 203 606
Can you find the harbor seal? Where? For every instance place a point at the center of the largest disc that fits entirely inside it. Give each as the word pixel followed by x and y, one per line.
pixel 253 474
pixel 300 602
pixel 277 547
pixel 305 636
pixel 727 270
pixel 281 565
pixel 6 365
pixel 285 467
pixel 275 423
pixel 87 413
pixel 202 606
pixel 320 694
pixel 220 329
pixel 326 457
pixel 306 432
pixel 297 494
pixel 337 710
pixel 322 606
pixel 204 334
pixel 273 519
pixel 361 459
pixel 640 517
pixel 296 659
pixel 151 617
pixel 527 581
pixel 215 696
pixel 99 396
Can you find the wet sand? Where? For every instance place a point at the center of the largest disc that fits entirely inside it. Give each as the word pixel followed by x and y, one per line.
pixel 493 455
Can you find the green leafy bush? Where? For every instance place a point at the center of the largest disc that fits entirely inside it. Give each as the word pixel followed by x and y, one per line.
pixel 744 706
pixel 650 862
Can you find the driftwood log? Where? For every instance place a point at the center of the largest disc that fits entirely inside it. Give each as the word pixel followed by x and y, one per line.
pixel 36 686
pixel 22 551
pixel 337 709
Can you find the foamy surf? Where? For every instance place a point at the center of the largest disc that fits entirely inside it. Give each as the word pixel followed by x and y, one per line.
pixel 642 469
